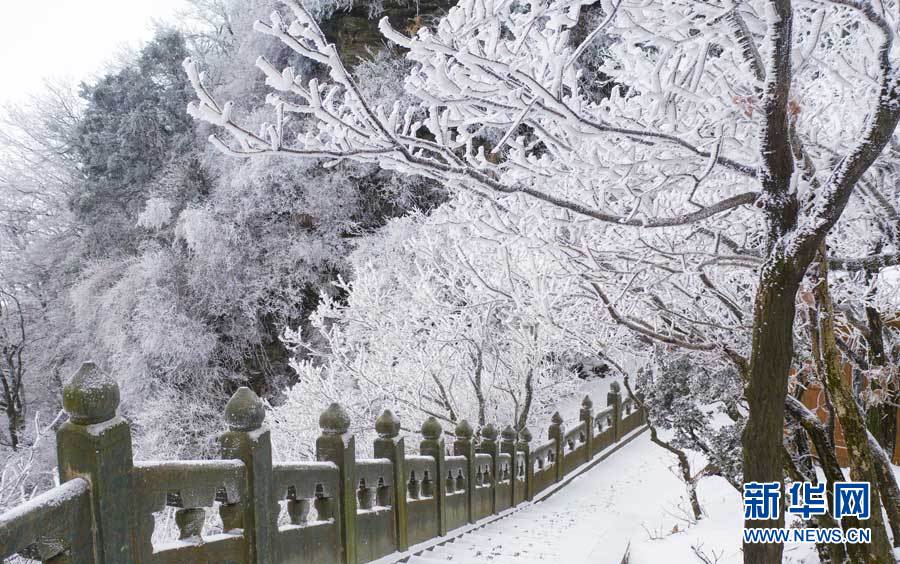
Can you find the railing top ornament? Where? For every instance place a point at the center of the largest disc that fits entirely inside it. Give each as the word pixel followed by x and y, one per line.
pixel 464 430
pixel 615 388
pixel 334 420
pixel 489 432
pixel 509 434
pixel 387 425
pixel 431 429
pixel 556 419
pixel 91 396
pixel 525 435
pixel 587 402
pixel 244 411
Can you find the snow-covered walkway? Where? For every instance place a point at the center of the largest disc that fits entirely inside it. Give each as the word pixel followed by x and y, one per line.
pixel 630 499
pixel 589 520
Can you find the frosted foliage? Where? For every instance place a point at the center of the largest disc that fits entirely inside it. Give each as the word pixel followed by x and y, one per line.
pixel 157 212
pixel 439 301
pixel 202 233
pixel 587 219
pixel 674 142
pixel 702 409
pixel 123 308
pixel 673 147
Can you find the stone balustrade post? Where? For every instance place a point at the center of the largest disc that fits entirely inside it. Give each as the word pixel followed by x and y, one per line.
pixel 95 444
pixel 489 445
pixel 524 446
pixel 614 400
pixel 587 415
pixel 336 445
pixel 389 445
pixel 250 442
pixel 464 446
pixel 433 445
pixel 557 432
pixel 508 446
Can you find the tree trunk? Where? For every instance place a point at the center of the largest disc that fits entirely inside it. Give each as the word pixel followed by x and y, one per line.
pixel 832 552
pixel 824 443
pixel 887 483
pixel 856 436
pixel 882 418
pixel 770 362
pixel 522 419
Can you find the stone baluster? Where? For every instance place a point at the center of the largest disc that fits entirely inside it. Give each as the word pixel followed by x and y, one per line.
pixel 336 445
pixel 614 400
pixel 249 441
pixel 298 510
pixel 465 446
pixel 189 521
pixel 557 432
pixel 433 445
pixel 524 446
pixel 389 445
pixel 95 443
pixel 413 486
pixel 587 415
pixel 508 446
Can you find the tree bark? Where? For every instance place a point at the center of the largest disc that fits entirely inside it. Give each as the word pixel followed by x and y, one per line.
pixel 824 443
pixel 856 436
pixel 828 552
pixel 882 418
pixel 890 493
pixel 770 362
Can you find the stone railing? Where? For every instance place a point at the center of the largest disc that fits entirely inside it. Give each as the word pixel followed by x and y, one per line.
pixel 246 508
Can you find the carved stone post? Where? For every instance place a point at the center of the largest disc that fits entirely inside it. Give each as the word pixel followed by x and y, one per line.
pixel 96 444
pixel 389 446
pixel 508 445
pixel 248 441
pixel 587 415
pixel 614 399
pixel 490 446
pixel 336 445
pixel 524 446
pixel 433 445
pixel 557 432
pixel 464 446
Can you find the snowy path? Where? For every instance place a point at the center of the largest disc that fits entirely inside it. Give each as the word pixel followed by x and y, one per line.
pixel 590 520
pixel 631 498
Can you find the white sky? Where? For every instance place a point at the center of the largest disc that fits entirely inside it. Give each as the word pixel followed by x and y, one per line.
pixel 71 39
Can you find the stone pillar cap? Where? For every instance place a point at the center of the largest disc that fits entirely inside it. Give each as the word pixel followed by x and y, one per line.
pixel 489 432
pixel 91 396
pixel 334 420
pixel 464 430
pixel 244 411
pixel 387 425
pixel 431 429
pixel 525 435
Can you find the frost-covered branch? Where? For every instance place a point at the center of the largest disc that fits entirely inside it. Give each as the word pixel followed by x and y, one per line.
pixel 468 95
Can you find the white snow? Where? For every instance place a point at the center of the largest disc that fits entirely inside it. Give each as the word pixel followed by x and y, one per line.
pixel 630 500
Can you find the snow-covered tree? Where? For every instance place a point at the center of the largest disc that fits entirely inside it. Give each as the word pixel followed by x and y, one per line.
pixel 735 132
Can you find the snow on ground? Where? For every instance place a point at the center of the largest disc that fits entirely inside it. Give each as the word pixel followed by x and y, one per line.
pixel 632 499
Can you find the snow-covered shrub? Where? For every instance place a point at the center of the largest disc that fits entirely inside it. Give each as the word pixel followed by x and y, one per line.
pixel 700 407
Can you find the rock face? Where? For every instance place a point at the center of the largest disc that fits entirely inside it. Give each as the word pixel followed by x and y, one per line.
pixel 355 31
